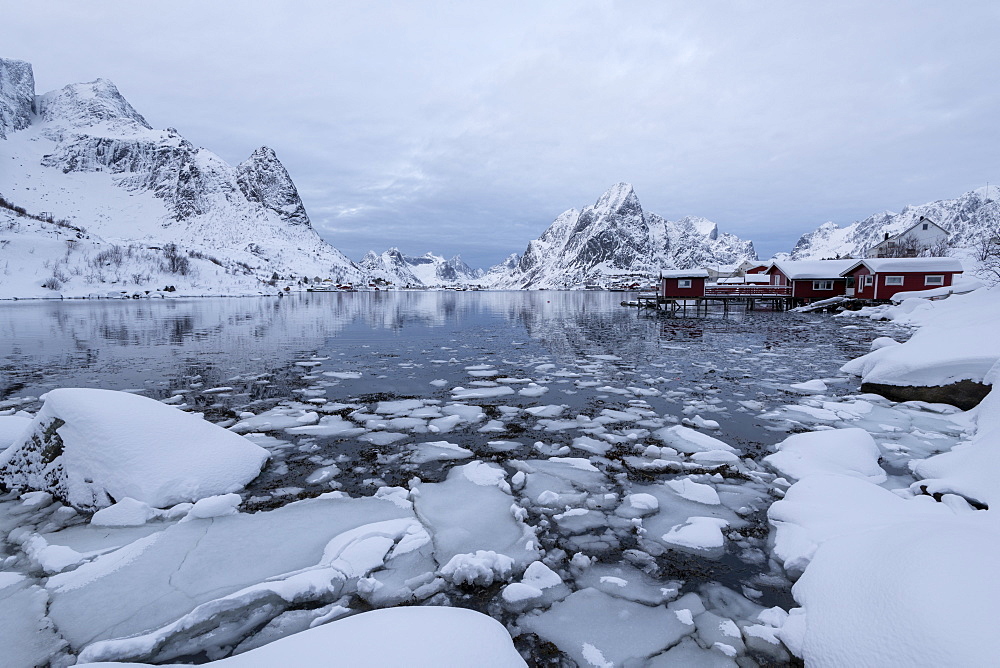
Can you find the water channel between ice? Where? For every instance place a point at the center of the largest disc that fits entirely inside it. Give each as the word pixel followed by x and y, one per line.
pixel 354 392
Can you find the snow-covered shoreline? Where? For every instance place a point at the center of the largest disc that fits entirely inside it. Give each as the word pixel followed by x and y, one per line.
pixel 898 568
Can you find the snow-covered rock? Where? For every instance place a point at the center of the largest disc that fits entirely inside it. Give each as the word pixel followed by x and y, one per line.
pixel 615 237
pixel 954 343
pixel 91 447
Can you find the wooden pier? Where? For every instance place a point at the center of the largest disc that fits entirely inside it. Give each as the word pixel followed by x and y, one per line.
pixel 778 297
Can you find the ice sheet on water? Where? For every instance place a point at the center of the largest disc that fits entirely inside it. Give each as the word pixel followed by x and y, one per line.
pixel 848 451
pixel 470 512
pixel 625 581
pixel 436 451
pixel 461 393
pixel 591 618
pixel 700 534
pixel 694 491
pixel 399 407
pixel 329 425
pixel 685 439
pixel 186 565
pixel 343 375
pixel 27 636
pixel 276 419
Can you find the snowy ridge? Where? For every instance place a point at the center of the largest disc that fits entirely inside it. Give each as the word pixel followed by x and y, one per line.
pixel 615 237
pixel 83 155
pixel 967 217
pixel 428 270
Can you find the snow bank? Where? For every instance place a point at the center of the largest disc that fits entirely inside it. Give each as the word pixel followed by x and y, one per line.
pixel 416 637
pixel 913 594
pixel 955 342
pixel 970 469
pixel 91 447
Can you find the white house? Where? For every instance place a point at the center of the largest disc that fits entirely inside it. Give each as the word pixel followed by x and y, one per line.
pixel 921 236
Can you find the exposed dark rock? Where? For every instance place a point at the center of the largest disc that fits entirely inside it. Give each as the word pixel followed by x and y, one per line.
pixel 964 394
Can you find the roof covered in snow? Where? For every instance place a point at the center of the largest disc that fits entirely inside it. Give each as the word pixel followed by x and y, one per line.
pixel 907 264
pixel 806 269
pixel 684 273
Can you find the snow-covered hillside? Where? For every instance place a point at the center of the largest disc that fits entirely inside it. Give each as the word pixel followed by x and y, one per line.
pixel 616 237
pixel 83 156
pixel 967 217
pixel 428 270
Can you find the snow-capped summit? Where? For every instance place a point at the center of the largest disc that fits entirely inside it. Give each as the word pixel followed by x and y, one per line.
pixel 88 104
pixel 84 156
pixel 615 237
pixel 618 199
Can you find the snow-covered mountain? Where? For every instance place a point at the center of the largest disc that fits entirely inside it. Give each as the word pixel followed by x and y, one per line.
pixel 967 217
pixel 615 237
pixel 426 270
pixel 84 156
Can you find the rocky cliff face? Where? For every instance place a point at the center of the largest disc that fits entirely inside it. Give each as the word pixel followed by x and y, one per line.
pixel 263 179
pixel 614 237
pixel 17 95
pixel 967 218
pixel 84 154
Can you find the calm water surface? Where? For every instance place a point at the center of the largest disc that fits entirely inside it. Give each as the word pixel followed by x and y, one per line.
pixel 231 357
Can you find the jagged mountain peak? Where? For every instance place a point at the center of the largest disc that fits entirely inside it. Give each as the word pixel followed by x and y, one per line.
pixel 17 95
pixel 616 237
pixel 153 188
pixel 619 198
pixel 264 180
pixel 87 104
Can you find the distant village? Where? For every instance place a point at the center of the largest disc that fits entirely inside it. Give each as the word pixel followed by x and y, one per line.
pixel 900 264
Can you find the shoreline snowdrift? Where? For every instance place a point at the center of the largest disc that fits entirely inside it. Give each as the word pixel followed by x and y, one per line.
pixel 891 575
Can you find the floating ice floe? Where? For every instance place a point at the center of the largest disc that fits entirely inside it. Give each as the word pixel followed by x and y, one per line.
pixel 90 447
pixel 848 451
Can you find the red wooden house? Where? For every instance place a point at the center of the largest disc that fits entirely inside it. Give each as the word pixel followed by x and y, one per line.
pixel 811 280
pixel 683 283
pixel 881 278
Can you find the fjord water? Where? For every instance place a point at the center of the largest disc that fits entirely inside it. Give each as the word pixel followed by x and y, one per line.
pixel 572 381
pixel 399 341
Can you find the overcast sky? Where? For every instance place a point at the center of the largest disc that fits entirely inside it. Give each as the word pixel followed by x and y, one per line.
pixel 467 127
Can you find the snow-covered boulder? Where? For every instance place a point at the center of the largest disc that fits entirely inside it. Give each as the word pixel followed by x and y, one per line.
pixel 91 447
